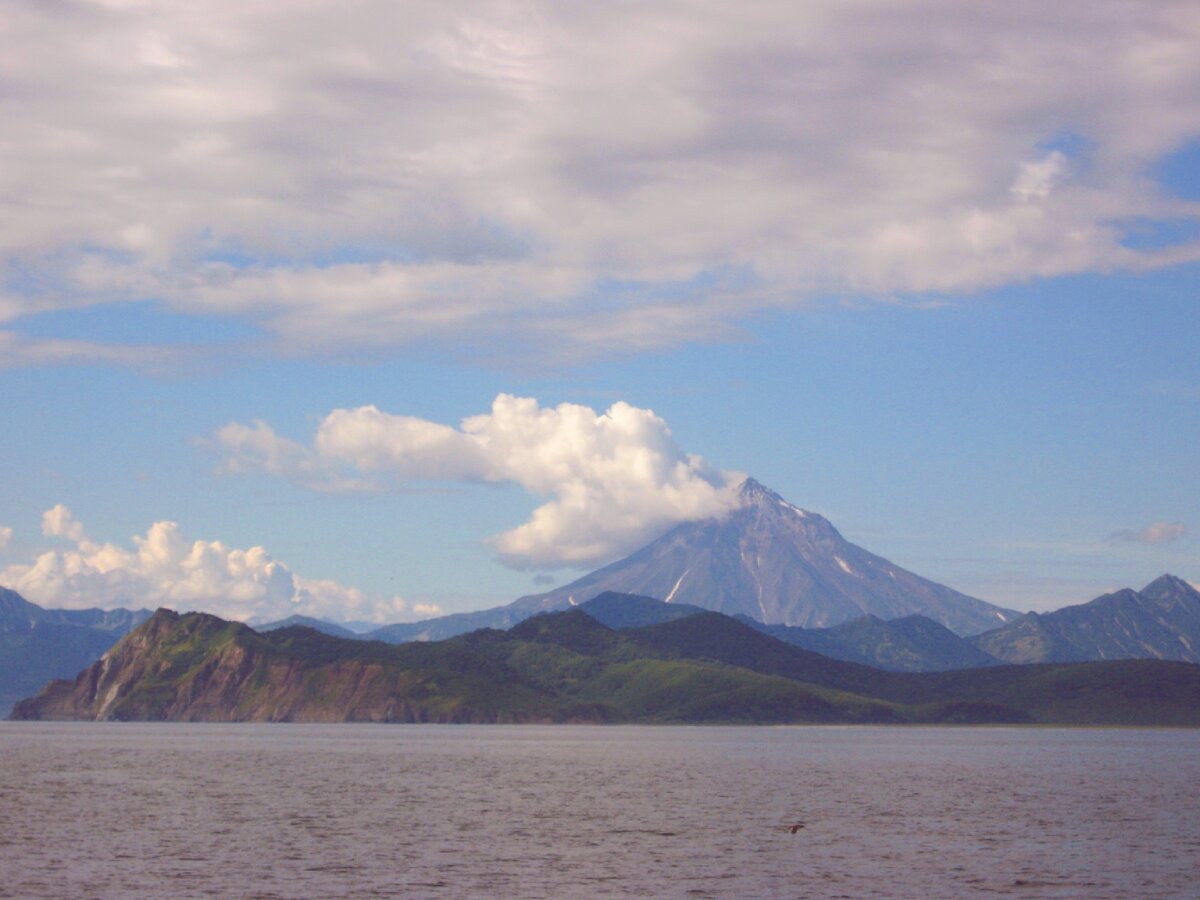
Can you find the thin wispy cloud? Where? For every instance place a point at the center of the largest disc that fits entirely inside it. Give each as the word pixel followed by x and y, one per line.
pixel 575 179
pixel 1154 533
pixel 19 351
pixel 616 479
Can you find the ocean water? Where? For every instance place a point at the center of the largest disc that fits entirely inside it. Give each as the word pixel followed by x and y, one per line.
pixel 267 811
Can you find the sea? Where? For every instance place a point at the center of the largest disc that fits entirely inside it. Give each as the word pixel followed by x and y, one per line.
pixel 99 810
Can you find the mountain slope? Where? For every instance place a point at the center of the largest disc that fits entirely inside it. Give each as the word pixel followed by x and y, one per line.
pixel 196 667
pixel 39 644
pixel 565 667
pixel 908 644
pixel 330 628
pixel 619 611
pixel 777 564
pixel 1162 621
pixel 443 627
pixel 569 667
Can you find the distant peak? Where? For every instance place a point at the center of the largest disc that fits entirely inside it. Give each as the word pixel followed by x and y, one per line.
pixel 754 495
pixel 1166 584
pixel 1164 580
pixel 753 492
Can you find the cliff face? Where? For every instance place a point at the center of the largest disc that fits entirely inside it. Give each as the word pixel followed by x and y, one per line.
pixel 37 645
pixel 197 668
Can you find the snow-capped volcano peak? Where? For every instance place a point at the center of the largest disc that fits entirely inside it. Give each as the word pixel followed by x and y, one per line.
pixel 776 563
pixel 755 494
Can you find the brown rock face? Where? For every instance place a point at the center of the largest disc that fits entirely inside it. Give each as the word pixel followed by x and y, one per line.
pixel 198 668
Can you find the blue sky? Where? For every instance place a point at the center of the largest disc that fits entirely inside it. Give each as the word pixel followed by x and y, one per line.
pixel 943 292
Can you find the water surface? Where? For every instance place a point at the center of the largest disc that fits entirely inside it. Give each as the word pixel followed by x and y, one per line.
pixel 293 811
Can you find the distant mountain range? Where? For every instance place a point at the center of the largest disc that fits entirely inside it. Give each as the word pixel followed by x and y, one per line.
pixel 330 628
pixel 782 571
pixel 38 644
pixel 569 667
pixel 908 644
pixel 1161 621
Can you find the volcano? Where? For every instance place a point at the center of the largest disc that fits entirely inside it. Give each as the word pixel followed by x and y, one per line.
pixel 776 563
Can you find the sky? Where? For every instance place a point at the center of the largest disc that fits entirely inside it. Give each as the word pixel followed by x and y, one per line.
pixel 378 311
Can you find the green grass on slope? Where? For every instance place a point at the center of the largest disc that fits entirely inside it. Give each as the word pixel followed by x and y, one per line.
pixel 567 667
pixel 689 691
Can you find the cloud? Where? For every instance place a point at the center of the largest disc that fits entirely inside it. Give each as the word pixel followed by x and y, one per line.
pixel 1037 179
pixel 256 447
pixel 6 534
pixel 164 569
pixel 1155 533
pixel 60 522
pixel 616 479
pixel 19 351
pixel 564 180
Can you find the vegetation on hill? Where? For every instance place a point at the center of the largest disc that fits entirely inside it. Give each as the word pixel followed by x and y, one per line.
pixel 566 667
pixel 908 644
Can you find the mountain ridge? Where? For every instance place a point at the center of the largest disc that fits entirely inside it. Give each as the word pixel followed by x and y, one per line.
pixel 911 643
pixel 568 667
pixel 1162 621
pixel 38 644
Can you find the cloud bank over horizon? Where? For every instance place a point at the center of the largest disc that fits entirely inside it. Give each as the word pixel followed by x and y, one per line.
pixel 617 479
pixel 164 569
pixel 481 176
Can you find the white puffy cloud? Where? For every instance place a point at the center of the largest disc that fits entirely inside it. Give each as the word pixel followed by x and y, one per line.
pixel 615 479
pixel 487 174
pixel 1154 533
pixel 162 568
pixel 60 522
pixel 6 534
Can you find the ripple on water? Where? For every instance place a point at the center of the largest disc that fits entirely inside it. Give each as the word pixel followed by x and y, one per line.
pixel 106 810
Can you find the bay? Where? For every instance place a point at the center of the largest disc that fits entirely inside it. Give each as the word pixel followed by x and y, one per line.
pixel 293 811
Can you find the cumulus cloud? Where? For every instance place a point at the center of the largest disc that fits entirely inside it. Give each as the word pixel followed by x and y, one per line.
pixel 6 534
pixel 162 568
pixel 615 479
pixel 1155 533
pixel 60 522
pixel 359 178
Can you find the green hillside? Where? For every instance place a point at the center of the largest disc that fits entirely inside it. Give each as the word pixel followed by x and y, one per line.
pixel 568 667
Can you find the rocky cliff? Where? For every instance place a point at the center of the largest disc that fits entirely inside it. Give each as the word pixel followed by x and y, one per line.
pixel 197 668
